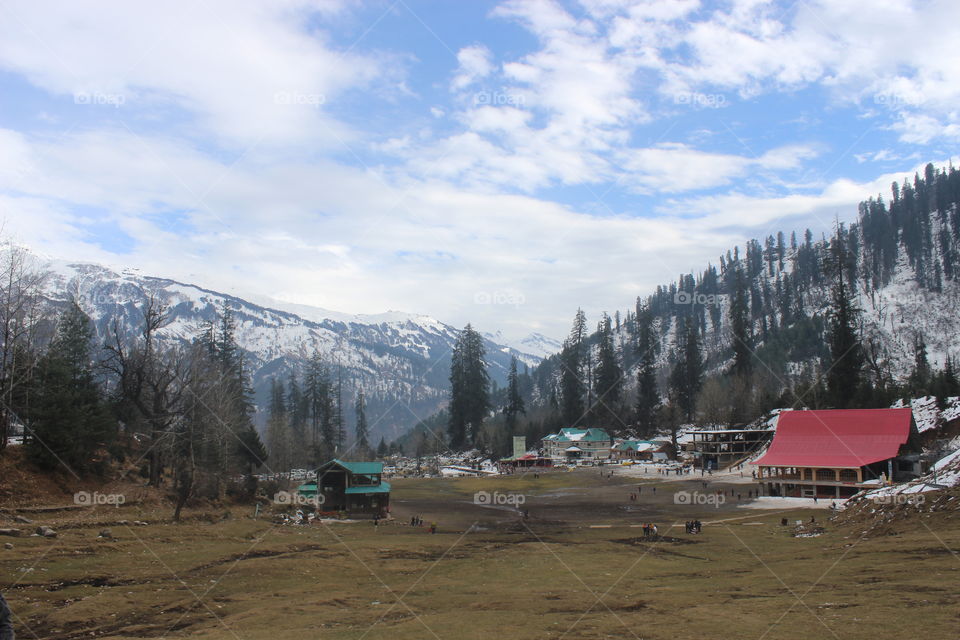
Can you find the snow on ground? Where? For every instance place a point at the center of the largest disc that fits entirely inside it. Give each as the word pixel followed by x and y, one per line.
pixel 771 502
pixel 944 474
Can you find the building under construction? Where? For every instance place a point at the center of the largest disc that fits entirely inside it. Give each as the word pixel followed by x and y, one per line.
pixel 719 448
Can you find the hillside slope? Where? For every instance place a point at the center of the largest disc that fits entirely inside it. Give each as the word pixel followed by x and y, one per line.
pixel 402 361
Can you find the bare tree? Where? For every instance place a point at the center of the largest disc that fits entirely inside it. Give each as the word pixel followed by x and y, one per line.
pixel 21 288
pixel 149 378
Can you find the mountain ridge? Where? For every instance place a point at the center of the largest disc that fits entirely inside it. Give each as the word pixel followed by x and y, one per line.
pixel 400 360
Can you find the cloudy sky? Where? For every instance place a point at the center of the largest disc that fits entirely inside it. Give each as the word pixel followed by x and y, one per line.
pixel 495 162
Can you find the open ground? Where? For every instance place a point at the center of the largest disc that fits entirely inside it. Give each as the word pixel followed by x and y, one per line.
pixel 578 566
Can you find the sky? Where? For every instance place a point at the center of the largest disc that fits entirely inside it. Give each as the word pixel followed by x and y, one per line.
pixel 500 163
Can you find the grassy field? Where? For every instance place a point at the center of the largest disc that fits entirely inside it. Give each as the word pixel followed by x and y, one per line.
pixel 579 567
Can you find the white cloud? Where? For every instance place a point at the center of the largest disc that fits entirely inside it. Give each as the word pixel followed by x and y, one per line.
pixel 248 71
pixel 676 167
pixel 475 63
pixel 342 238
pixel 455 208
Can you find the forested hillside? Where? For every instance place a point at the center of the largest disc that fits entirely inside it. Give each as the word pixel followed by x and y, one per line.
pixel 857 319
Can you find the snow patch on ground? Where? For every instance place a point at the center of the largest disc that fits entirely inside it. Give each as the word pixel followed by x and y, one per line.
pixel 771 502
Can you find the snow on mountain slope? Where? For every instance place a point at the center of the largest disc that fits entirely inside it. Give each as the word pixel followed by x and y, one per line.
pixel 401 360
pixel 529 350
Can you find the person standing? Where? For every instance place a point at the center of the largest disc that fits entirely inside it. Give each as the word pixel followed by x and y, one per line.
pixel 6 626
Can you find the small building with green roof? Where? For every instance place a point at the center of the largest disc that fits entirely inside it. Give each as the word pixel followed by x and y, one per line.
pixel 356 488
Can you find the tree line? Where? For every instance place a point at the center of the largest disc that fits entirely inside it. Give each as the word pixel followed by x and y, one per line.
pixel 777 325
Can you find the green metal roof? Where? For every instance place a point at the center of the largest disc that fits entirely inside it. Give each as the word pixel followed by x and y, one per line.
pixel 383 487
pixel 307 487
pixel 574 434
pixel 359 468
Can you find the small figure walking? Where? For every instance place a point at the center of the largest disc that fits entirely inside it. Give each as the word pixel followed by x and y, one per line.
pixel 433 527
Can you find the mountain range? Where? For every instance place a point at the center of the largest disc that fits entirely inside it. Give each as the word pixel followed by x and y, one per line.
pixel 400 360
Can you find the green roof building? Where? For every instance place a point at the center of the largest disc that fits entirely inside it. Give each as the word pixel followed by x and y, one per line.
pixel 357 488
pixel 572 444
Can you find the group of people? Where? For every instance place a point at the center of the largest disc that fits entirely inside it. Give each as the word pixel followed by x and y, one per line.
pixel 650 530
pixel 693 526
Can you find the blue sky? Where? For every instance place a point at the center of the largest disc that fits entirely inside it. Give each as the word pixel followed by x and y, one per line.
pixel 495 162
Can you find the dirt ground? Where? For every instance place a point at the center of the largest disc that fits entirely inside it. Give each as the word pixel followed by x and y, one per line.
pixel 578 566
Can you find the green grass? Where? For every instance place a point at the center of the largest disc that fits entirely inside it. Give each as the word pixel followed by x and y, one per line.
pixel 545 579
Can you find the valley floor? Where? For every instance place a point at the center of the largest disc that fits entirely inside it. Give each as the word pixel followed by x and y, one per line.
pixel 578 566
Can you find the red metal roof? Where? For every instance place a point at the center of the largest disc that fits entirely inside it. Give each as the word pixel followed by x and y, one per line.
pixel 837 438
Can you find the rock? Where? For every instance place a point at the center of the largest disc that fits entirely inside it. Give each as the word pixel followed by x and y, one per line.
pixel 139 524
pixel 22 520
pixel 124 523
pixel 46 532
pixel 10 532
pixel 106 533
pixel 8 545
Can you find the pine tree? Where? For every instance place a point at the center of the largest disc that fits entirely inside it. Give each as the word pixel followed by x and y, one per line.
pixel 571 374
pixel 279 436
pixel 740 327
pixel 515 405
pixel 846 357
pixel 648 396
pixel 382 449
pixel 687 375
pixel 920 377
pixel 69 421
pixel 609 377
pixel 469 389
pixel 362 433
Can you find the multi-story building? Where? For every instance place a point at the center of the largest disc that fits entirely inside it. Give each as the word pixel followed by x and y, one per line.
pixel 572 445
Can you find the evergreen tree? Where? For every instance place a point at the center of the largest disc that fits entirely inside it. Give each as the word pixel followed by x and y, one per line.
pixel 469 389
pixel 740 327
pixel 362 433
pixel 382 449
pixel 571 374
pixel 609 377
pixel 69 421
pixel 846 357
pixel 947 385
pixel 515 405
pixel 687 375
pixel 648 395
pixel 279 436
pixel 920 377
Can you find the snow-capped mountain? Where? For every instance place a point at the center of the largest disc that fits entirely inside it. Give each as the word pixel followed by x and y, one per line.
pixel 539 345
pixel 533 348
pixel 401 360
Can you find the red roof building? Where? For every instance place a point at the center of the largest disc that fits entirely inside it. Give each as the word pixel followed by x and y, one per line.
pixel 836 453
